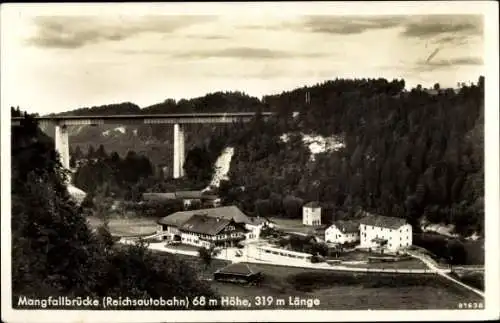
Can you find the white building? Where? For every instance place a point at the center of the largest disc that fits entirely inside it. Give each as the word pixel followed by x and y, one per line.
pixel 311 214
pixel 383 232
pixel 255 227
pixel 342 232
pixel 224 226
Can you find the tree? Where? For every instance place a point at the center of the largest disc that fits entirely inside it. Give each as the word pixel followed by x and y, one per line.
pixel 77 153
pixel 456 252
pixel 399 149
pixel 101 153
pixel 292 206
pixel 55 253
pixel 91 152
pixel 205 256
pixel 198 165
pixel 320 248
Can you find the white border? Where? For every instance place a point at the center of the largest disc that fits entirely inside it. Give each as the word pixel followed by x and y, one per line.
pixel 490 11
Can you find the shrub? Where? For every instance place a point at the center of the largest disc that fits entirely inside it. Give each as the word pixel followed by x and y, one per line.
pixel 316 259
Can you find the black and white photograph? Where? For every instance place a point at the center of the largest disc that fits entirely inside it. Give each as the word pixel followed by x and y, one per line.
pixel 253 161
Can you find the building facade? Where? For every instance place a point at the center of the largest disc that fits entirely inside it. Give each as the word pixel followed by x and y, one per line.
pixel 311 214
pixel 386 233
pixel 342 232
pixel 204 231
pixel 239 273
pixel 255 227
pixel 224 226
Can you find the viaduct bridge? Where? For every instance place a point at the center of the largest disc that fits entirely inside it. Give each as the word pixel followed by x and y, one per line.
pixel 178 120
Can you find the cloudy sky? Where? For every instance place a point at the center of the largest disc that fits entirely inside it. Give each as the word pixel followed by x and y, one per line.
pixel 54 62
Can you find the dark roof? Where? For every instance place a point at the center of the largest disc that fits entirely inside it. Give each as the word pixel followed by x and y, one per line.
pixel 383 221
pixel 204 224
pixel 313 204
pixel 158 196
pixel 188 194
pixel 178 195
pixel 239 268
pixel 347 226
pixel 175 219
pixel 259 220
pixel 225 212
pixel 319 229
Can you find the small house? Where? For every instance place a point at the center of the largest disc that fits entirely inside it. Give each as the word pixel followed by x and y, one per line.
pixel 256 225
pixel 342 232
pixel 238 273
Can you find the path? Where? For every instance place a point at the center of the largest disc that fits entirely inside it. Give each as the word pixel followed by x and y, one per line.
pixel 229 254
pixel 442 271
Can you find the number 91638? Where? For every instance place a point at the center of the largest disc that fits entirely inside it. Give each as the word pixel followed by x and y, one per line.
pixel 471 306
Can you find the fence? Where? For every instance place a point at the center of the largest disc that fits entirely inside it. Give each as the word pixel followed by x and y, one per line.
pixel 399 270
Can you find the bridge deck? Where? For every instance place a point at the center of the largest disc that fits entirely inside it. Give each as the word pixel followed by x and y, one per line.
pixel 172 118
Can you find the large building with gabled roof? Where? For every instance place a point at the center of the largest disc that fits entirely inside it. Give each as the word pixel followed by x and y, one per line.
pixel 384 232
pixel 222 226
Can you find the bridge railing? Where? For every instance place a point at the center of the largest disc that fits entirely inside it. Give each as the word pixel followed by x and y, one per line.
pixel 182 118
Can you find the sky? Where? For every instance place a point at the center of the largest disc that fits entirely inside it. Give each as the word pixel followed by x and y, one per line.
pixel 58 60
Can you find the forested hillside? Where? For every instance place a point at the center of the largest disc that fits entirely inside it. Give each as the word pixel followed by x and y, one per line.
pixel 413 154
pixel 55 253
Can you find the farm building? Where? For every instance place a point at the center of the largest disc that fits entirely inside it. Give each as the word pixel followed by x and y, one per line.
pixel 238 273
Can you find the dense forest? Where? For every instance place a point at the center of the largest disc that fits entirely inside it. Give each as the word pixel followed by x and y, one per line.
pixel 407 154
pixel 416 154
pixel 55 253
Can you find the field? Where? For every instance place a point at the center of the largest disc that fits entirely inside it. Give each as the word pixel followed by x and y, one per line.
pixel 343 290
pixel 360 259
pixel 125 227
pixel 335 290
pixel 338 291
pixel 291 225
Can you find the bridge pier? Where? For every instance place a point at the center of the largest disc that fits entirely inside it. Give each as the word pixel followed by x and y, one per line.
pixel 178 150
pixel 62 144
